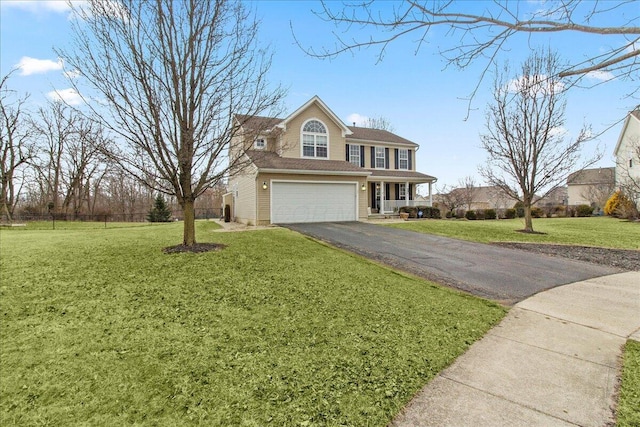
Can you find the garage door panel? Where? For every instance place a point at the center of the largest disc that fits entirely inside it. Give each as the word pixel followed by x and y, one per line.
pixel 313 202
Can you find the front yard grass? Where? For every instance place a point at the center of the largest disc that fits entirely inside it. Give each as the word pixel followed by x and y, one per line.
pixel 99 327
pixel 629 402
pixel 603 232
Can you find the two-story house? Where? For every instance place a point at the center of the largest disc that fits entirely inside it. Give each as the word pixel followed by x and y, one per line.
pixel 627 153
pixel 311 167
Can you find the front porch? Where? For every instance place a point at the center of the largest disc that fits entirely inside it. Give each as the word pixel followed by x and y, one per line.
pixel 386 198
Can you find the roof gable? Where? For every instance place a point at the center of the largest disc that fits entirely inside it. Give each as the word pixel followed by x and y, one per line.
pixel 317 101
pixel 633 115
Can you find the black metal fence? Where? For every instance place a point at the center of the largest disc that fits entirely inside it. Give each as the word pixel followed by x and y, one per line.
pixel 201 213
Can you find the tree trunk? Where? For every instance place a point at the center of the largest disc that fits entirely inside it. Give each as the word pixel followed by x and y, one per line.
pixel 189 233
pixel 528 221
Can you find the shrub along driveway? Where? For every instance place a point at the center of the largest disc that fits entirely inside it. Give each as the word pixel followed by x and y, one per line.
pixel 497 273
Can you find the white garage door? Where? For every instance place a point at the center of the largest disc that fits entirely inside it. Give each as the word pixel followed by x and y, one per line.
pixel 313 202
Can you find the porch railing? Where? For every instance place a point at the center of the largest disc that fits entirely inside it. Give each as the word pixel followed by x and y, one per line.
pixel 390 206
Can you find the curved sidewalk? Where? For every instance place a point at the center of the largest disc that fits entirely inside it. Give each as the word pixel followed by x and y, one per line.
pixel 553 361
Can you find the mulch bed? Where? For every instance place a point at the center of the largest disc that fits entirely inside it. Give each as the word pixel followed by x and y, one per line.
pixel 620 258
pixel 197 248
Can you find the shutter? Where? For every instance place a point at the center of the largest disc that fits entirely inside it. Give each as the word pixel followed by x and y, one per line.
pixel 373 157
pixel 409 156
pixel 386 158
pixel 410 191
pixel 396 159
pixel 362 156
pixel 397 190
pixel 347 152
pixel 387 191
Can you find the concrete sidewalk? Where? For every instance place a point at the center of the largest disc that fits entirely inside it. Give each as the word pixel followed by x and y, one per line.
pixel 553 361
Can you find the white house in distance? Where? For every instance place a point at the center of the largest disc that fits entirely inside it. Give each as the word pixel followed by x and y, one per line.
pixel 590 187
pixel 311 167
pixel 627 153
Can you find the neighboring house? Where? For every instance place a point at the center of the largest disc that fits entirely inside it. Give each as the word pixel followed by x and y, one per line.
pixel 556 197
pixel 311 167
pixel 627 153
pixel 590 187
pixel 474 198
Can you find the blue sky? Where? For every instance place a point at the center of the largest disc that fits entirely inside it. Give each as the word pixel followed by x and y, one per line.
pixel 424 101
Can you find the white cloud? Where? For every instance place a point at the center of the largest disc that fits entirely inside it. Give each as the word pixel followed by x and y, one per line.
pixel 39 6
pixel 356 118
pixel 69 96
pixel 29 65
pixel 600 75
pixel 538 84
pixel 72 74
pixel 559 131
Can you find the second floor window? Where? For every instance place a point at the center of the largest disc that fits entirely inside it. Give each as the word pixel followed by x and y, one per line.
pixel 380 158
pixel 354 154
pixel 314 140
pixel 260 144
pixel 403 159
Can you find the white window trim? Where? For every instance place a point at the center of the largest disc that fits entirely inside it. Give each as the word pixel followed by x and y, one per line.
pixel 402 192
pixel 258 147
pixel 405 159
pixel 354 159
pixel 314 134
pixel 384 162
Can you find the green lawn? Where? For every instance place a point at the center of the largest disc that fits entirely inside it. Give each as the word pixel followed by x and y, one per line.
pixel 99 327
pixel 596 231
pixel 629 403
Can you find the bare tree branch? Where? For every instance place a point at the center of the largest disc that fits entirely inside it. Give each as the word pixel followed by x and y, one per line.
pixel 482 36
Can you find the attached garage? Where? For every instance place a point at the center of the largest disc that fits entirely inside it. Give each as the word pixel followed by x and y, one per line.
pixel 305 201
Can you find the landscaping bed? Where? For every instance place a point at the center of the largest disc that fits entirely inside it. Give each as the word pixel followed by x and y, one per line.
pixel 621 258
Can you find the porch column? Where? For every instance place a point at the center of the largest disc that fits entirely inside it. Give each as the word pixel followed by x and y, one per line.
pixel 382 198
pixel 430 197
pixel 406 193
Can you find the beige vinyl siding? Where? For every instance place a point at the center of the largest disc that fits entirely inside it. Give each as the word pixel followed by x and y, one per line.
pixel 264 196
pixel 291 138
pixel 244 188
pixel 628 151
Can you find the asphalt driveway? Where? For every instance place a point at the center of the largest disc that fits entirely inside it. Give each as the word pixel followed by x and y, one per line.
pixel 502 274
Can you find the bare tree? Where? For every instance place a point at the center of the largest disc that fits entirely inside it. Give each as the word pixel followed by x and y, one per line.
pixel 449 198
pixel 481 36
pixel 468 189
pixel 172 75
pixel 528 152
pixel 16 147
pixel 381 123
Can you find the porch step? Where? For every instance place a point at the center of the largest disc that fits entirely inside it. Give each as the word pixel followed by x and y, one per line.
pixel 384 216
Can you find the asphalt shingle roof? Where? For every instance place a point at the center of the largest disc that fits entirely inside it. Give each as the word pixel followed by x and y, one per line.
pixel 592 176
pixel 271 160
pixel 379 135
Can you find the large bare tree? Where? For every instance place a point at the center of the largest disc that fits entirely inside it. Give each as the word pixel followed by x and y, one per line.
pixel 468 190
pixel 479 32
pixel 16 147
pixel 170 75
pixel 529 153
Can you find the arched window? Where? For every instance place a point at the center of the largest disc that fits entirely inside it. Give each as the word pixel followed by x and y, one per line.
pixel 315 139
